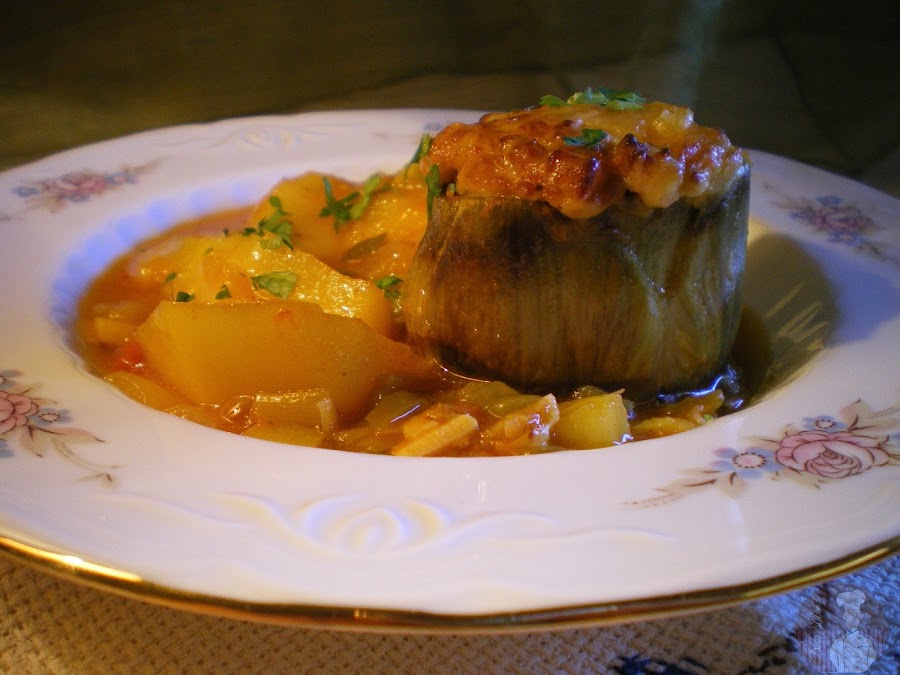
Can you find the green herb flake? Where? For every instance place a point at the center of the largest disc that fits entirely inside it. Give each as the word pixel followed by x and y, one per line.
pixel 353 205
pixel 364 247
pixel 339 208
pixel 610 98
pixel 223 293
pixel 369 188
pixel 279 283
pixel 170 277
pixel 433 181
pixel 552 101
pixel 421 150
pixel 588 137
pixel 389 285
pixel 182 296
pixel 276 223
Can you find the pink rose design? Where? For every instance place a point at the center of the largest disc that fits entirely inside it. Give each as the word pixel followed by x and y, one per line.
pixel 845 223
pixel 77 186
pixel 14 410
pixel 830 455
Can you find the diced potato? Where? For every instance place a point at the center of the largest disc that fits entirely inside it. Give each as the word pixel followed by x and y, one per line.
pixel 212 352
pixel 112 332
pixel 302 199
pixel 112 323
pixel 591 422
pixel 222 269
pixel 381 241
pixel 403 209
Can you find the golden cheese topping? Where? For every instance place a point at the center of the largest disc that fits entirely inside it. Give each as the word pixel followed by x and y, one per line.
pixel 549 153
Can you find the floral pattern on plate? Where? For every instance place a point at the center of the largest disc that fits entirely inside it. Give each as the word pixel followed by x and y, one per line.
pixel 814 453
pixel 37 425
pixel 77 186
pixel 839 219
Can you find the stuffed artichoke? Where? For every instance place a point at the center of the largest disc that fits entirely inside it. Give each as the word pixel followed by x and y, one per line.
pixel 599 240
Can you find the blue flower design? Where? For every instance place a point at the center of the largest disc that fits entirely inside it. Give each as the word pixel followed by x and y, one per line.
pixel 830 200
pixel 807 214
pixel 825 423
pixel 26 191
pixel 750 463
pixel 7 377
pixel 120 178
pixel 47 416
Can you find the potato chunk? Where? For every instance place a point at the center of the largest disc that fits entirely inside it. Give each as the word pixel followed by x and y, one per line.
pixel 211 352
pixel 592 422
pixel 223 269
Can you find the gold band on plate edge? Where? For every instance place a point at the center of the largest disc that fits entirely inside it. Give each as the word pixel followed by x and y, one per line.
pixel 132 586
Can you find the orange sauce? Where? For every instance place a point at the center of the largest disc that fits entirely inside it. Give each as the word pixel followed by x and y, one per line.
pixel 410 407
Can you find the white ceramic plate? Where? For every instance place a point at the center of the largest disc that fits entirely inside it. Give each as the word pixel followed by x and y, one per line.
pixel 802 485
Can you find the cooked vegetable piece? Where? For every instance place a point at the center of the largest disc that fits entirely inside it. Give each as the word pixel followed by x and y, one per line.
pixel 212 352
pixel 648 301
pixel 591 422
pixel 308 407
pixel 435 431
pixel 302 198
pixel 526 430
pixel 377 232
pixel 206 265
pixel 286 432
pixel 143 390
pixel 393 407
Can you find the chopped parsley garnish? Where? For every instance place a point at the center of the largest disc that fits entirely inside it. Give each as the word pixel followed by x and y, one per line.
pixel 276 223
pixel 223 293
pixel 389 285
pixel 364 247
pixel 170 277
pixel 279 283
pixel 182 296
pixel 352 206
pixel 433 181
pixel 587 137
pixel 421 150
pixel 610 98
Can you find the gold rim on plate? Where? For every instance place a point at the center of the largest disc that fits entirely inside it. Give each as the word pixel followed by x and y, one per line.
pixel 129 585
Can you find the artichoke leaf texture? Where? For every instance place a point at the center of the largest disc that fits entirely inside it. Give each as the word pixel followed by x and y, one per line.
pixel 646 300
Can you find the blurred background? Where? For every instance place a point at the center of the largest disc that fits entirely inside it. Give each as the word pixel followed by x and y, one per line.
pixel 814 80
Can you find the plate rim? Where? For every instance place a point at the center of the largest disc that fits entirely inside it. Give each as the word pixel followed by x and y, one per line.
pixel 390 620
pixel 376 619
